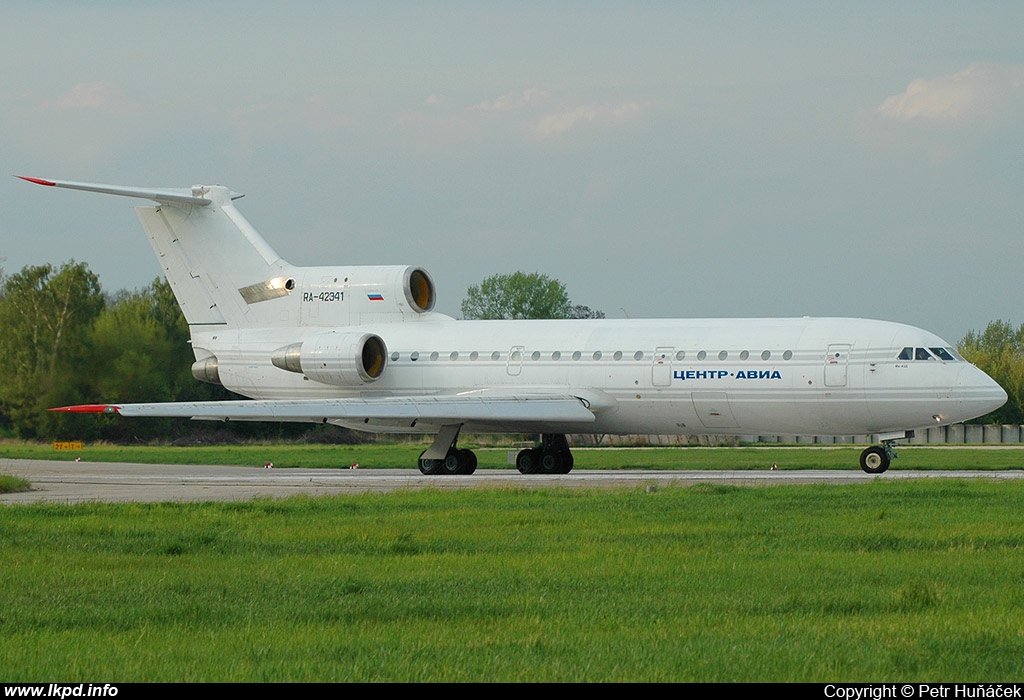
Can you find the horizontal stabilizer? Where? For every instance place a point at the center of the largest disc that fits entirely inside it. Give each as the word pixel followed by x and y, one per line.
pixel 446 409
pixel 194 195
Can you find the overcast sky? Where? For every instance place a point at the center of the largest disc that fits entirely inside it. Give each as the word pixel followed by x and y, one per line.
pixel 661 159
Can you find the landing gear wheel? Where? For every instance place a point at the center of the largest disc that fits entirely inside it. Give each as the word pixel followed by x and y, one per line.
pixel 458 461
pixel 555 462
pixel 430 466
pixel 467 458
pixel 528 461
pixel 874 460
pixel 567 462
pixel 550 462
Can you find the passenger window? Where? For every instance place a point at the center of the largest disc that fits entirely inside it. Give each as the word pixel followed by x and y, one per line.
pixel 906 354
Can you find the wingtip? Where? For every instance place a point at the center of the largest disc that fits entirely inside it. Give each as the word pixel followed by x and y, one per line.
pixel 87 408
pixel 37 180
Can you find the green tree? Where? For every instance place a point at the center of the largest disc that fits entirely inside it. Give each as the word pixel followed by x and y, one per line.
pixel 999 351
pixel 581 311
pixel 46 314
pixel 518 295
pixel 136 355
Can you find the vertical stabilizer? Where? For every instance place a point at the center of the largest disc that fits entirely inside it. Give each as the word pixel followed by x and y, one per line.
pixel 218 266
pixel 221 270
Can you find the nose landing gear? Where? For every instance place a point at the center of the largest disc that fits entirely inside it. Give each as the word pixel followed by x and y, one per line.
pixel 876 459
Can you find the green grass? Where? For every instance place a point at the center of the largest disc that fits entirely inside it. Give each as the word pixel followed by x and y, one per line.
pixel 405 454
pixel 12 484
pixel 882 581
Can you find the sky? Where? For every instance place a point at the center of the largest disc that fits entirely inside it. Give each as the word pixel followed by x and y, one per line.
pixel 661 159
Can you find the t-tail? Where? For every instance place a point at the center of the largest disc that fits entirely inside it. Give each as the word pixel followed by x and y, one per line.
pixel 212 257
pixel 224 274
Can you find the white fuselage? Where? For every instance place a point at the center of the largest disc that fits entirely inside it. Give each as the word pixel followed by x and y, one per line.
pixel 361 346
pixel 820 376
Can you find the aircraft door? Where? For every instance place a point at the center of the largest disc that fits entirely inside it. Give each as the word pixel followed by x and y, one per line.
pixel 515 361
pixel 661 369
pixel 836 361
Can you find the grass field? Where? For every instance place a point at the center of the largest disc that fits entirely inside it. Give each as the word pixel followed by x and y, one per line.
pixel 883 581
pixel 11 484
pixel 391 455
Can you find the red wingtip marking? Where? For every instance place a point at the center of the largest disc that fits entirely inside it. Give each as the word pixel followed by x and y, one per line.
pixel 88 408
pixel 38 181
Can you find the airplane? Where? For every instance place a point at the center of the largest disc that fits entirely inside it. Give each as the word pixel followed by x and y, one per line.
pixel 362 347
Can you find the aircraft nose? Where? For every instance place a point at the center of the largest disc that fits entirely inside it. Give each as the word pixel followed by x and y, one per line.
pixel 979 393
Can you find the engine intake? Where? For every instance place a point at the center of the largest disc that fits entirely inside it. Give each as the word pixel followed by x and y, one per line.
pixel 419 289
pixel 338 359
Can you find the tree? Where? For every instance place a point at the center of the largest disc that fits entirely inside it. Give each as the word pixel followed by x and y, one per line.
pixel 46 315
pixel 581 311
pixel 518 295
pixel 999 351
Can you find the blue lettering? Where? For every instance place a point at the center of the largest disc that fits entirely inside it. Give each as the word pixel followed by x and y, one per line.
pixel 722 374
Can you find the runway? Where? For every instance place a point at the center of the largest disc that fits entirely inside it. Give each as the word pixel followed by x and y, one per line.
pixel 82 482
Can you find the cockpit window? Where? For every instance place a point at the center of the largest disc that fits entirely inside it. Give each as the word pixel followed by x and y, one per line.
pixel 944 354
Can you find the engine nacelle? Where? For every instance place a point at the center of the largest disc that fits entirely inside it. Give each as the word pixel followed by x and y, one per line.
pixel 338 359
pixel 207 370
pixel 358 295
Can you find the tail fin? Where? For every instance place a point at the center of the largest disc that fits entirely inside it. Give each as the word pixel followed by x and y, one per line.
pixel 215 261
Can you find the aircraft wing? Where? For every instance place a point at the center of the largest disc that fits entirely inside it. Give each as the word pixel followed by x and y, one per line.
pixel 481 409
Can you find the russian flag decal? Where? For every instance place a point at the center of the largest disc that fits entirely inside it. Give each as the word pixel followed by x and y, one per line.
pixel 375 297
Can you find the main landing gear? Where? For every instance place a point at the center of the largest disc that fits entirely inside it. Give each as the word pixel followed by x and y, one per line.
pixel 445 457
pixel 876 459
pixel 552 457
pixel 456 461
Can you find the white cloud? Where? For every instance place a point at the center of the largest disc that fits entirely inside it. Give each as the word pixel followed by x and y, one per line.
pixel 513 100
pixel 97 97
pixel 315 113
pixel 977 93
pixel 559 123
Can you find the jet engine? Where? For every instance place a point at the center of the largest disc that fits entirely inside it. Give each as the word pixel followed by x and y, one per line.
pixel 207 370
pixel 339 358
pixel 376 289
